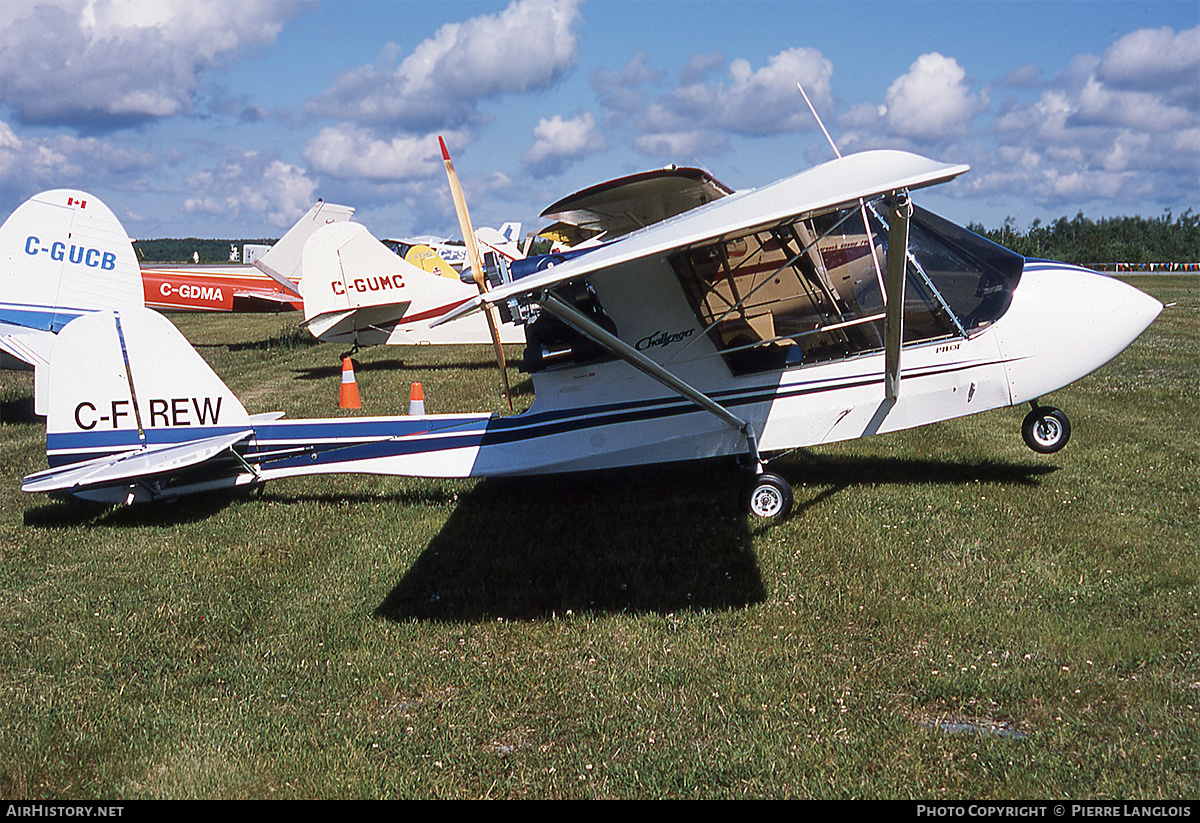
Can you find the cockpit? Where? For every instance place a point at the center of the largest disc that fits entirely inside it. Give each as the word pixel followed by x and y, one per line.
pixel 812 290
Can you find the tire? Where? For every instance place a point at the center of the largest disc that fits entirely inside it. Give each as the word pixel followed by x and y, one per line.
pixel 1046 430
pixel 767 497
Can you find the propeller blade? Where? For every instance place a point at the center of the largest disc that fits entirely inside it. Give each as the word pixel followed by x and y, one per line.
pixel 476 262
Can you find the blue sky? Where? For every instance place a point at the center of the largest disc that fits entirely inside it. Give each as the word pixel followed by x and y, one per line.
pixel 227 118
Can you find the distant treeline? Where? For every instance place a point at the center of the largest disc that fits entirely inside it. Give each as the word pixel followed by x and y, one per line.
pixel 1107 242
pixel 1102 243
pixel 181 251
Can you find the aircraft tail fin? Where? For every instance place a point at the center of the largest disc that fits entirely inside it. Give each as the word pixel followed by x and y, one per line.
pixel 282 263
pixel 505 240
pixel 125 384
pixel 424 257
pixel 357 290
pixel 63 252
pixel 511 232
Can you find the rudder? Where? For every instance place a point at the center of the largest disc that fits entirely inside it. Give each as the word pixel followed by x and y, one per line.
pixel 128 379
pixel 64 252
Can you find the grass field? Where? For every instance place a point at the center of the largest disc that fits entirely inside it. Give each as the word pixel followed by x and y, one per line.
pixel 945 614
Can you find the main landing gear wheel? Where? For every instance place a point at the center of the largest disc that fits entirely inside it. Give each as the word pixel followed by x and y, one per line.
pixel 1046 430
pixel 768 497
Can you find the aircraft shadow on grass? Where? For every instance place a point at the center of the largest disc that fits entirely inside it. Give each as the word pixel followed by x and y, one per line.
pixel 18 410
pixel 656 541
pixel 291 338
pixel 652 540
pixel 392 364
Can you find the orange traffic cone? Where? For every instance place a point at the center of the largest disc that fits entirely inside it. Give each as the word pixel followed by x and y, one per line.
pixel 416 400
pixel 348 399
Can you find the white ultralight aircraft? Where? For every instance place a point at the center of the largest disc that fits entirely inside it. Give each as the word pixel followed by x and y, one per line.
pixel 822 308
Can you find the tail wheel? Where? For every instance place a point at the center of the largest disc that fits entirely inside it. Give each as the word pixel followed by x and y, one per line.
pixel 1046 430
pixel 767 497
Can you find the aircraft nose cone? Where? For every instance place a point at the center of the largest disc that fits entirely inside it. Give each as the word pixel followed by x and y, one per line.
pixel 1064 323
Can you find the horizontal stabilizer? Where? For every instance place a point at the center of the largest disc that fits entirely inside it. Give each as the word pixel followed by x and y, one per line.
pixel 498 241
pixel 29 346
pixel 122 468
pixel 266 297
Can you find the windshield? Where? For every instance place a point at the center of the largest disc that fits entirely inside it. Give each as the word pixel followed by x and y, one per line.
pixel 811 290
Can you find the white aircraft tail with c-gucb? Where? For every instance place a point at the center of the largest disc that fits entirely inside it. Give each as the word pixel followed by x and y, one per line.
pixel 63 253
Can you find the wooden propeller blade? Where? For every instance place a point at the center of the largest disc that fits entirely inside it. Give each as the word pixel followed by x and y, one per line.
pixel 476 262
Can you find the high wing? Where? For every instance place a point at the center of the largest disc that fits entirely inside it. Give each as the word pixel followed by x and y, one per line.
pixel 142 464
pixel 617 207
pixel 837 183
pixel 844 182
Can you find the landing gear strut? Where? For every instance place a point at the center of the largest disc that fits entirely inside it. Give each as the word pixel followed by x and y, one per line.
pixel 1046 429
pixel 768 497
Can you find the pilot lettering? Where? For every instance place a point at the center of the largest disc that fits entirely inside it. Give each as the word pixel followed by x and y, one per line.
pixel 178 411
pixel 187 291
pixel 90 257
pixel 362 285
pixel 88 420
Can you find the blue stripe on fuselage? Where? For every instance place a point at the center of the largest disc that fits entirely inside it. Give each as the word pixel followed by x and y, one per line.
pixel 292 444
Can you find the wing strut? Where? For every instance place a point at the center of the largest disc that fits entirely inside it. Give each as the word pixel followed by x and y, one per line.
pixel 897 265
pixel 572 317
pixel 137 412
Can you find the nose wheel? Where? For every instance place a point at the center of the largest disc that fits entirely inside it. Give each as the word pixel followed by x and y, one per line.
pixel 1046 429
pixel 767 497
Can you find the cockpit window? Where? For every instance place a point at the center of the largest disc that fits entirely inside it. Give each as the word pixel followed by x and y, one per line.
pixel 973 274
pixel 811 290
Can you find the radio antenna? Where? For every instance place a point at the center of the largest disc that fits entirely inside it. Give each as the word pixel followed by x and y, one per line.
pixel 817 117
pixel 862 204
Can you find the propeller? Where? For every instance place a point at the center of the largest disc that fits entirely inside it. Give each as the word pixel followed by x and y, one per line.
pixel 476 262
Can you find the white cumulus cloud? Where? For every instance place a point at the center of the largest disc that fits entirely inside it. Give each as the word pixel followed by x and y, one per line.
pixel 558 143
pixel 1153 58
pixel 527 46
pixel 251 184
pixel 347 151
pixel 103 63
pixel 931 101
pixel 708 105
